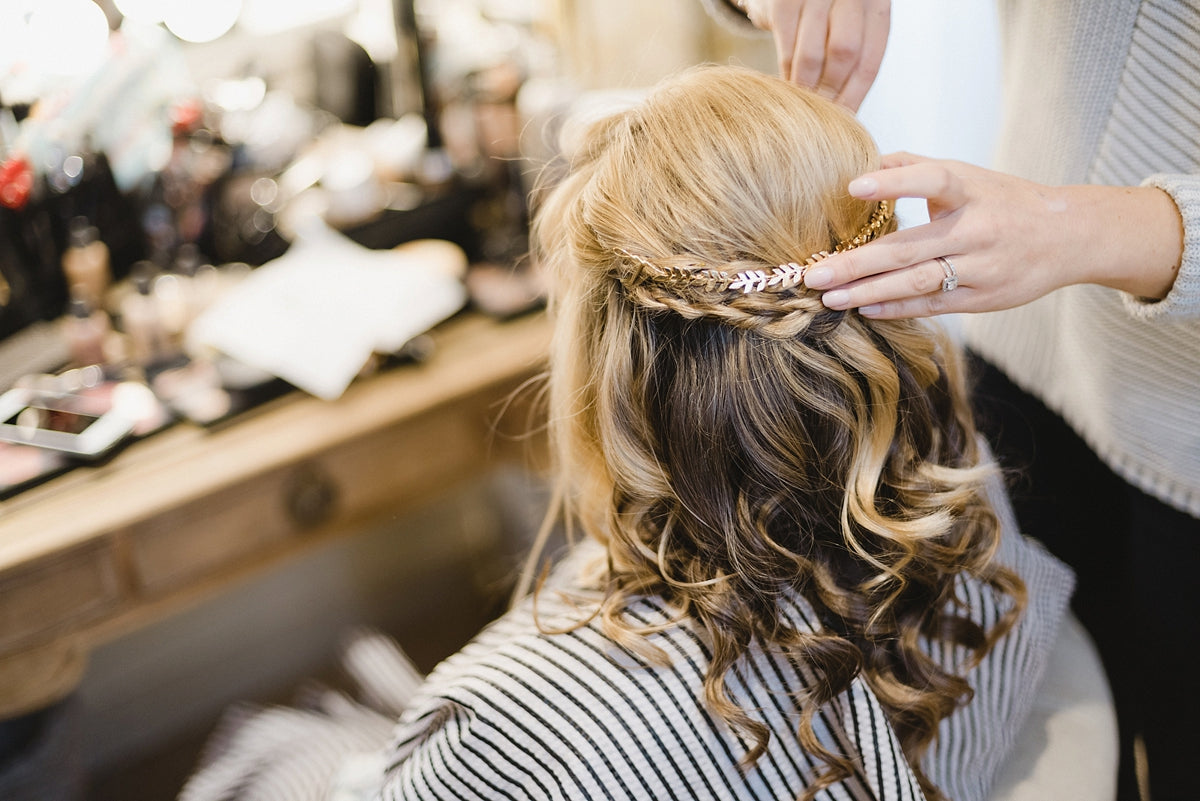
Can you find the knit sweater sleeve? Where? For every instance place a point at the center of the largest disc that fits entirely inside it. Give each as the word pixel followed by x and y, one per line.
pixel 1183 301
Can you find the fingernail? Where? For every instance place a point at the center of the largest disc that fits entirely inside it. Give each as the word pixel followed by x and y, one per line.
pixel 870 310
pixel 863 187
pixel 836 299
pixel 818 277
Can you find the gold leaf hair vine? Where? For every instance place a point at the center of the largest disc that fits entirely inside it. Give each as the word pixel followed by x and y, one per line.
pixel 782 277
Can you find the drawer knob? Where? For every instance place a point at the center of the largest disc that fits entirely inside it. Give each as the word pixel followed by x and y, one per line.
pixel 310 496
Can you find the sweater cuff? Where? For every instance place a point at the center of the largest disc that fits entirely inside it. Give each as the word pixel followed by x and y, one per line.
pixel 1183 301
pixel 730 17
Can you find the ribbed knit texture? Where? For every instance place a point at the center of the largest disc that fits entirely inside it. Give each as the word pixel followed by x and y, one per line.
pixel 1109 93
pixel 524 714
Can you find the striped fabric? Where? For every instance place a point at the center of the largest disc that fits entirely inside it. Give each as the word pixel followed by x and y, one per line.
pixel 284 753
pixel 325 748
pixel 385 677
pixel 1110 93
pixel 524 714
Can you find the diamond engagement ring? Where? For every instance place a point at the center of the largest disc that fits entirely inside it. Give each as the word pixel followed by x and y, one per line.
pixel 950 282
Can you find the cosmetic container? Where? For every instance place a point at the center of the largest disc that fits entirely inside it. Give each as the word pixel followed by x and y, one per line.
pixel 85 262
pixel 141 320
pixel 86 330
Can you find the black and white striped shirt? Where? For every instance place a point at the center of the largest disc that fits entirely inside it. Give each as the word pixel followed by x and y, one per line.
pixel 524 714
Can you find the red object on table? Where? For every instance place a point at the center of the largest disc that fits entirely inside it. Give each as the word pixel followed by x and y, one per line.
pixel 16 182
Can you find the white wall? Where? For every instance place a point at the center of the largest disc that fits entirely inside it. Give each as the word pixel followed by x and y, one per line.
pixel 938 91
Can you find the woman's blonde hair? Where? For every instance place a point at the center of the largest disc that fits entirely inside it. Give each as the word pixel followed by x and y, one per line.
pixel 731 449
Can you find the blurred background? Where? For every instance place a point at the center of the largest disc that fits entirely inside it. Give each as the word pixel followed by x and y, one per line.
pixel 155 155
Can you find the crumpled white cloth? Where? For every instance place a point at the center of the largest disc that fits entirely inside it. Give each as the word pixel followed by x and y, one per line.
pixel 316 314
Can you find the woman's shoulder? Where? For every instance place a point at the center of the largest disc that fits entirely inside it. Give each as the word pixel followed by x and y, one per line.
pixel 554 638
pixel 1048 581
pixel 544 704
pixel 1006 681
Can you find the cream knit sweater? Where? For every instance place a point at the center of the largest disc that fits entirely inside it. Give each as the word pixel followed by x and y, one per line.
pixel 1107 93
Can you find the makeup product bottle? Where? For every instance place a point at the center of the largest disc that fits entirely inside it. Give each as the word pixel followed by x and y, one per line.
pixel 86 329
pixel 140 318
pixel 85 262
pixel 172 300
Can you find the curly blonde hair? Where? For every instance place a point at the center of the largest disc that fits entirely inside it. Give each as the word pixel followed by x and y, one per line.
pixel 730 448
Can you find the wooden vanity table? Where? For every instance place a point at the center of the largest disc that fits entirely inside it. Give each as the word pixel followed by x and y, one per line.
pixel 172 519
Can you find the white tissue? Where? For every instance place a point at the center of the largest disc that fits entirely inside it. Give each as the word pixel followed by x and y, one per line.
pixel 315 315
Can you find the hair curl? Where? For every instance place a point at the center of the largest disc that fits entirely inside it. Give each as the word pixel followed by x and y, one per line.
pixel 728 448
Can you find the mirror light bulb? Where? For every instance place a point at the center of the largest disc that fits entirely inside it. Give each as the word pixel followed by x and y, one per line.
pixel 67 37
pixel 201 22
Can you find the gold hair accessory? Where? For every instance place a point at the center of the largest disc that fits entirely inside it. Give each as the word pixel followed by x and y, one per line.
pixel 782 277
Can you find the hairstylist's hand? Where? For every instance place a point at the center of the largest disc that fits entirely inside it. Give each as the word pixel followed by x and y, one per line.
pixel 833 46
pixel 1003 240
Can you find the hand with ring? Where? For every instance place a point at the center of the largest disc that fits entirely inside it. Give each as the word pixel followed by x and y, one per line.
pixel 832 46
pixel 994 241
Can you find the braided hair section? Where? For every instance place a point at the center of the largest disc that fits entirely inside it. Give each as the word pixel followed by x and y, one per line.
pixel 744 294
pixel 785 314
